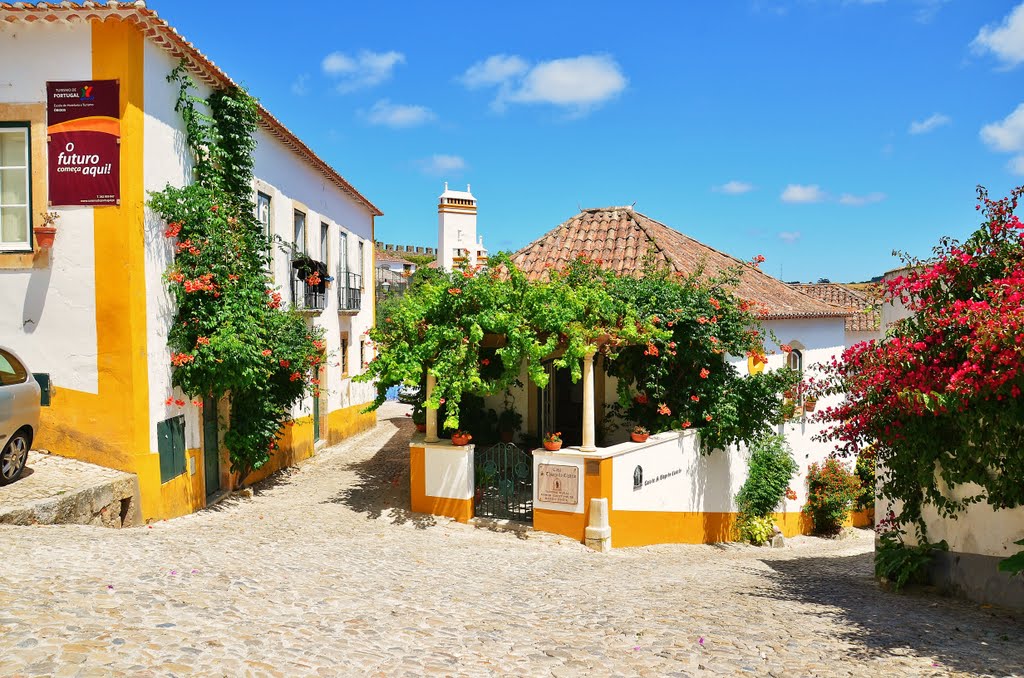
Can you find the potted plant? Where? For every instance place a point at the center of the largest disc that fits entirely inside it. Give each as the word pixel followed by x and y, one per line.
pixel 419 417
pixel 47 230
pixel 460 437
pixel 553 441
pixel 810 403
pixel 639 434
pixel 509 423
pixel 788 410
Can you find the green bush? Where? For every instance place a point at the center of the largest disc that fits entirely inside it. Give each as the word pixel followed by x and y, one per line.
pixel 866 474
pixel 755 529
pixel 771 467
pixel 898 563
pixel 831 490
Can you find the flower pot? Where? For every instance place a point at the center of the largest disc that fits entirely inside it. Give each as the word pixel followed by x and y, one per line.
pixel 639 437
pixel 788 394
pixel 506 436
pixel 460 440
pixel 552 446
pixel 810 404
pixel 422 428
pixel 45 236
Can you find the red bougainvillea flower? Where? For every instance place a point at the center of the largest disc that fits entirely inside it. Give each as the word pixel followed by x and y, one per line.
pixel 179 403
pixel 790 494
pixel 454 290
pixel 266 352
pixel 319 344
pixel 485 362
pixel 704 373
pixel 169 401
pixel 640 398
pixel 179 359
pixel 695 398
pixel 215 208
pixel 786 348
pixel 663 409
pixel 707 417
pixel 714 302
pixel 295 376
pixel 685 425
pixel 652 350
pixel 202 341
pixel 285 363
pixel 173 229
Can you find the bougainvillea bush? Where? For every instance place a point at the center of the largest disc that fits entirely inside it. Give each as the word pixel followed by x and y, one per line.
pixel 940 395
pixel 663 335
pixel 831 491
pixel 230 333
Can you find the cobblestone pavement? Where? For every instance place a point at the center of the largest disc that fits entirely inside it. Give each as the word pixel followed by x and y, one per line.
pixel 48 476
pixel 326 572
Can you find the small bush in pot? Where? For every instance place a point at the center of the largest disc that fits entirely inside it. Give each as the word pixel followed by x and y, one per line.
pixel 639 434
pixel 553 441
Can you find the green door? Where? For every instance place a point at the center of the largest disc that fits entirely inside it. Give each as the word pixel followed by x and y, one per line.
pixel 316 417
pixel 211 448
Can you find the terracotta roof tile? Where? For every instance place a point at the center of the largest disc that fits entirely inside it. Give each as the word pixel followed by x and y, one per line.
pixel 629 237
pixel 392 258
pixel 161 33
pixel 866 317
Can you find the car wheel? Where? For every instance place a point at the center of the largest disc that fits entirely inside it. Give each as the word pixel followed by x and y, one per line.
pixel 13 458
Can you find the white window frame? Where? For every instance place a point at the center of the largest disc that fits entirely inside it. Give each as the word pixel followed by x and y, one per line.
pixel 299 232
pixel 325 239
pixel 25 245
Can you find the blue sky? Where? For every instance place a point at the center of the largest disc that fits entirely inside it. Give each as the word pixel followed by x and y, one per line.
pixel 820 133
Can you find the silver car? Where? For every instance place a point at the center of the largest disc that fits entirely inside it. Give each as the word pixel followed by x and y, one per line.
pixel 19 415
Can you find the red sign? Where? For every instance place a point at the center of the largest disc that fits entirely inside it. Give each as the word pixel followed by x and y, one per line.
pixel 84 128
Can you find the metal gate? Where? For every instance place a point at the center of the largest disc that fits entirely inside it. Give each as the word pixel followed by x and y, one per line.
pixel 504 483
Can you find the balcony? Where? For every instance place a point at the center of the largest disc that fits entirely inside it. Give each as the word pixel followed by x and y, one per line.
pixel 307 296
pixel 350 292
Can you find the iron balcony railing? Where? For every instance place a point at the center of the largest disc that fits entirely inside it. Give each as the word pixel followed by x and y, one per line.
pixel 350 291
pixel 306 297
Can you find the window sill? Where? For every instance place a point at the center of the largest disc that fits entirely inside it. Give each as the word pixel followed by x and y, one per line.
pixel 20 259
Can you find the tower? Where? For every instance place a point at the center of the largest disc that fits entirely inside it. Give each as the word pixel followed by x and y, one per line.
pixel 457 242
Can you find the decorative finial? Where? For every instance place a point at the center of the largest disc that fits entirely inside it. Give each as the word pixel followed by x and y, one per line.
pixel 467 189
pixel 446 185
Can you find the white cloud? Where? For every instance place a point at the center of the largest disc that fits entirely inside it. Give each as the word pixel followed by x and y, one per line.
pixel 929 124
pixel 300 87
pixel 1006 135
pixel 578 84
pixel 927 10
pixel 789 236
pixel 399 115
pixel 1004 40
pixel 494 70
pixel 733 187
pixel 860 200
pixel 439 164
pixel 799 193
pixel 366 69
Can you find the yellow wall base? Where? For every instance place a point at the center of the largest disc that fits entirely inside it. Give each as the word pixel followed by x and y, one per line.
pixel 347 422
pixel 459 509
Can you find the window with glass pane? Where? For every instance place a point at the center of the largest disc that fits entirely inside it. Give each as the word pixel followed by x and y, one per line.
pixel 15 222
pixel 300 232
pixel 263 212
pixel 343 252
pixel 362 259
pixel 324 230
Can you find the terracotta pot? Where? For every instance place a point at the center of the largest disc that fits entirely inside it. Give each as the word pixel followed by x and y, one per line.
pixel 45 236
pixel 810 404
pixel 460 440
pixel 552 446
pixel 639 437
pixel 506 436
pixel 788 394
pixel 422 428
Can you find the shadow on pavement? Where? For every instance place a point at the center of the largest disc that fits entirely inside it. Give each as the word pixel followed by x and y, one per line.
pixel 960 635
pixel 382 488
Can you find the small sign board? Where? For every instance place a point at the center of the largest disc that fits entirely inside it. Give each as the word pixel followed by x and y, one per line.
pixel 558 484
pixel 84 129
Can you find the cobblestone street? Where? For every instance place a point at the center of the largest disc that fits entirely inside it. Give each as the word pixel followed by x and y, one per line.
pixel 326 572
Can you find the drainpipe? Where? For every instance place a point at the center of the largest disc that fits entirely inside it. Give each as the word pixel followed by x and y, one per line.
pixel 431 436
pixel 588 403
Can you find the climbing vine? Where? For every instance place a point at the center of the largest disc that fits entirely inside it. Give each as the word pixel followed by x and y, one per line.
pixel 664 336
pixel 230 334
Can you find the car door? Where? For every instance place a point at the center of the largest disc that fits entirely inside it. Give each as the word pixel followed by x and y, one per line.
pixel 19 396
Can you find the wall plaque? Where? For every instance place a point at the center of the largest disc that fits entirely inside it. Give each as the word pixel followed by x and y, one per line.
pixel 84 129
pixel 558 484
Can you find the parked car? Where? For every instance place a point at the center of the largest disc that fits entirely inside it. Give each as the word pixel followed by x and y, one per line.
pixel 19 415
pixel 410 395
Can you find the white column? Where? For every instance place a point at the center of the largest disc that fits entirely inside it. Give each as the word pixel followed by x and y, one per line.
pixel 431 436
pixel 588 404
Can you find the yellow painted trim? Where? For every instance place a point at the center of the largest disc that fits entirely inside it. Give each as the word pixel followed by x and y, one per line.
pixel 35 116
pixel 348 421
pixel 572 525
pixel 295 444
pixel 459 509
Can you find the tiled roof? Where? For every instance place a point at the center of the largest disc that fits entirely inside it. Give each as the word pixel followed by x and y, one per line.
pixel 866 319
pixel 621 238
pixel 391 258
pixel 161 33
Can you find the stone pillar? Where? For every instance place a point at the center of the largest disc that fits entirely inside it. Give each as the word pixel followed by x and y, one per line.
pixel 588 404
pixel 431 436
pixel 598 534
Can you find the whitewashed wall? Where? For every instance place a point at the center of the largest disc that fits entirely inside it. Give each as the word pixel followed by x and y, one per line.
pixel 48 313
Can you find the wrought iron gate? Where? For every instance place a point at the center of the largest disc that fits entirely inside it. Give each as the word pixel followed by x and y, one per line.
pixel 504 483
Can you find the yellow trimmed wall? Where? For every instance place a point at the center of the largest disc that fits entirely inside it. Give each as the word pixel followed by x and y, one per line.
pixel 459 509
pixel 348 421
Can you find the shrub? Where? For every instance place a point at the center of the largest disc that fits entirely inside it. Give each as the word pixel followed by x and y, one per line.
pixel 898 563
pixel 771 467
pixel 831 490
pixel 865 470
pixel 757 530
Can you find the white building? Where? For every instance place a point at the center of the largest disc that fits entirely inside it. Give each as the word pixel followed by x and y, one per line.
pixel 457 241
pixel 93 312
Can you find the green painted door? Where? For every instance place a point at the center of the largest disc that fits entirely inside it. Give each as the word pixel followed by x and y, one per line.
pixel 211 447
pixel 316 417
